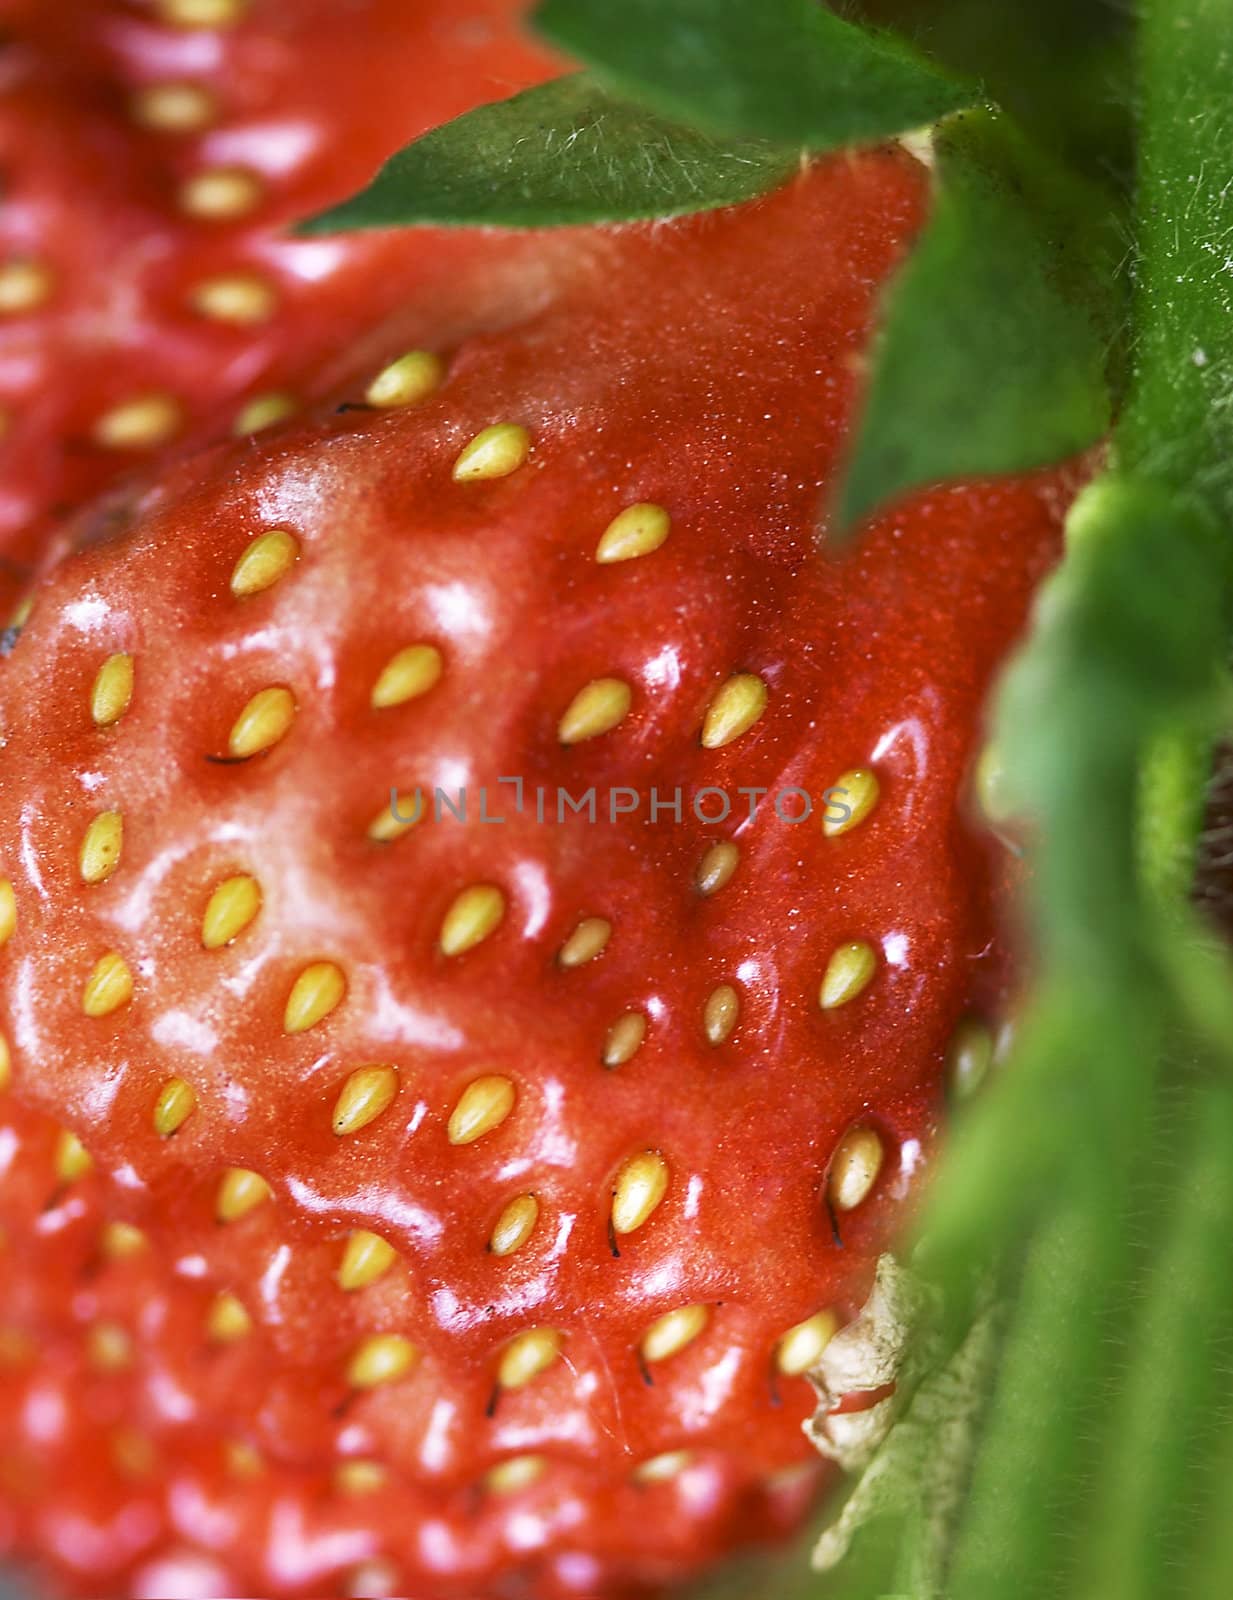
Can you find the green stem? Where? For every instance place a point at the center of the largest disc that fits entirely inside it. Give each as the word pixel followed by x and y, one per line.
pixel 1176 1380
pixel 1173 780
pixel 1036 1440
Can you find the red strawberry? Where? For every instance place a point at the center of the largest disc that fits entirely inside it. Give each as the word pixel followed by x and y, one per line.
pixel 146 300
pixel 527 1089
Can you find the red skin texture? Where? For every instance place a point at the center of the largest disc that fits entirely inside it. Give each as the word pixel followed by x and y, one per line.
pixel 709 366
pixel 312 96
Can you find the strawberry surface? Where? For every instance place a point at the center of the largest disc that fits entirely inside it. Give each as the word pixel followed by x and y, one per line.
pixel 455 1114
pixel 147 298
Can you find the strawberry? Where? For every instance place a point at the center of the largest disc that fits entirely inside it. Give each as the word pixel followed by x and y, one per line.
pixel 532 1162
pixel 147 301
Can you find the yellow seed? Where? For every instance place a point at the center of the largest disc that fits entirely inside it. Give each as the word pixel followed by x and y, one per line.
pixel 859 791
pixel 108 1347
pixel 408 673
pixel 240 298
pixel 8 910
pixel 230 909
pixel 221 194
pixel 202 13
pixel 482 1106
pixel 360 1477
pixel 243 1460
pixel 673 1332
pixel 411 378
pixel 24 286
pixel 177 1100
pixel 396 817
pixel 802 1346
pixel 227 1320
pixel 133 1453
pixel 314 994
pixel 140 424
pixel 717 867
pixel 101 845
pixel 659 1469
pixel 641 1185
pixel 791 1480
pixel 848 973
pixel 969 1057
pixel 21 614
pixel 366 1094
pixel 636 531
pixel 6 1064
pixel 515 1225
pixel 919 143
pixel 586 942
pixel 473 916
pixel 365 1258
pixel 989 781
pixel 266 559
pixel 71 1159
pixel 240 1191
pixel 17 1347
pixel 108 987
pixel 120 1240
pixel 854 1168
pixel 624 1039
pixel 595 709
pixel 112 690
pixel 265 720
pixel 174 107
pixel 494 453
pixel 719 1015
pixel 263 411
pixel 515 1474
pixel 735 708
pixel 526 1356
pixel 383 1358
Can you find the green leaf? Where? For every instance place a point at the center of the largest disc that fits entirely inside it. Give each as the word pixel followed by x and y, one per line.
pixel 567 152
pixel 1180 424
pixel 996 339
pixel 785 70
pixel 1007 1154
pixel 1064 69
